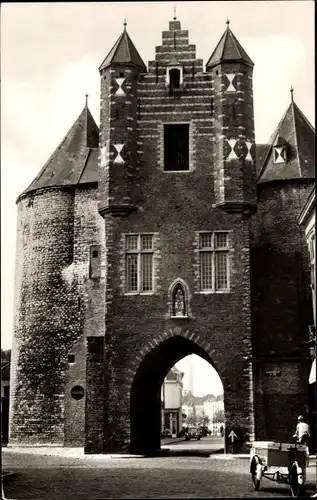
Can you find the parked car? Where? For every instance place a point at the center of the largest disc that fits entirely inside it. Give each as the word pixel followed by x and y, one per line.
pixel 204 430
pixel 193 433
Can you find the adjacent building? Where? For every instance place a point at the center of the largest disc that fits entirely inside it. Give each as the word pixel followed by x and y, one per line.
pixel 307 219
pixel 172 389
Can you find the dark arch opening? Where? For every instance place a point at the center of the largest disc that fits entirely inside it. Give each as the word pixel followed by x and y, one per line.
pixel 145 402
pixel 175 78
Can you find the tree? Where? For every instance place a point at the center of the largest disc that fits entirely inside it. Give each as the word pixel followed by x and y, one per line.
pixel 192 419
pixel 205 420
pixel 219 416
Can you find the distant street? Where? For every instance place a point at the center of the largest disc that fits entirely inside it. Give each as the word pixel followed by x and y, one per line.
pixel 208 445
pixel 184 472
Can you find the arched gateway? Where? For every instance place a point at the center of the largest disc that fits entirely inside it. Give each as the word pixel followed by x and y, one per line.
pixel 134 424
pixel 145 398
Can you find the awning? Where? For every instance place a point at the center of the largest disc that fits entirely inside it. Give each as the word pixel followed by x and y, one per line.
pixel 312 376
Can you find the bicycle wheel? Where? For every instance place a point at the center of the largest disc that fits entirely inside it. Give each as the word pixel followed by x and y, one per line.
pixel 296 480
pixel 256 472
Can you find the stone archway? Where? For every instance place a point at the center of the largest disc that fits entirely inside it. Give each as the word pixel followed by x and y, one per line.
pixel 124 386
pixel 145 399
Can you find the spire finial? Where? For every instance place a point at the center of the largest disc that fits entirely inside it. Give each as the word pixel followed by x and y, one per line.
pixel 125 24
pixel 174 18
pixel 227 23
pixel 292 91
pixel 86 97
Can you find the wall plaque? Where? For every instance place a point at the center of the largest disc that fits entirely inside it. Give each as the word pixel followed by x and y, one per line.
pixel 273 373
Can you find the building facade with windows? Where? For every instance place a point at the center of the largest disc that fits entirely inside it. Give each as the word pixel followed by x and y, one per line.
pixel 166 231
pixel 171 396
pixel 307 219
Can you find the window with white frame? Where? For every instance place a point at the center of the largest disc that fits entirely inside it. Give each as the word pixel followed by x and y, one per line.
pixel 139 263
pixel 214 261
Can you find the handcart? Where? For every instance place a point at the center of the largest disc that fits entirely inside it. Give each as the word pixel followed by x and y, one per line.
pixel 280 462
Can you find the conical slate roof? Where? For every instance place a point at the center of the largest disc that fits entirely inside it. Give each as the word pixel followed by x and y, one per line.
pixel 299 135
pixel 75 160
pixel 123 52
pixel 228 50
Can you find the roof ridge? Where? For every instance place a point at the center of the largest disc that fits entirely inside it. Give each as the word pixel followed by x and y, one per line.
pixel 128 44
pixel 234 41
pixel 224 37
pixel 296 139
pixel 84 165
pixel 118 44
pixel 306 119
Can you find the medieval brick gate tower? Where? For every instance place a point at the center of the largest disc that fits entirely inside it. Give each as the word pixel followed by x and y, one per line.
pixel 155 237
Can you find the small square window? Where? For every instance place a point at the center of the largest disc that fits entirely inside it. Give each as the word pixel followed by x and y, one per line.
pixel 221 240
pixel 95 253
pixel 146 242
pixel 121 75
pixel 205 240
pixel 131 242
pixel 71 358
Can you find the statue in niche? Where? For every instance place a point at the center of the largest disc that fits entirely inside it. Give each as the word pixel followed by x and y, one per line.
pixel 179 302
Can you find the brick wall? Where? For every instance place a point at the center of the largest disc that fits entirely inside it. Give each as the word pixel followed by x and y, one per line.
pixel 46 317
pixel 234 175
pixel 88 233
pixel 174 206
pixel 281 309
pixel 94 422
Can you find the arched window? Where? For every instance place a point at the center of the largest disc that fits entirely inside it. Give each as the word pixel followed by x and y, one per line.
pixel 178 299
pixel 175 78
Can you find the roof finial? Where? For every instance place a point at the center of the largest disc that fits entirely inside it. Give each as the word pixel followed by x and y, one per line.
pixel 125 24
pixel 292 91
pixel 86 96
pixel 227 23
pixel 174 12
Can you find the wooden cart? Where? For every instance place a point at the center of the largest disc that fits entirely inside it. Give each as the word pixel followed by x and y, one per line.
pixel 280 462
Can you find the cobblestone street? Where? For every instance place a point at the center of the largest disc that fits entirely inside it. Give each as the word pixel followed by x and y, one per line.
pixel 39 477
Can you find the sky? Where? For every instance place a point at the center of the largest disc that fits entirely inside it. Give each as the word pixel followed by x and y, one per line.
pixel 50 54
pixel 204 378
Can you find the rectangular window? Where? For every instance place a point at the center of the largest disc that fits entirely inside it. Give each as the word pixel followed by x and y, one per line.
pixel 95 262
pixel 176 147
pixel 139 262
pixel 214 261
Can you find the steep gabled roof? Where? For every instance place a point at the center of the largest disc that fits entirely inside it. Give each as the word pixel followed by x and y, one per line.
pixel 75 160
pixel 261 151
pixel 123 52
pixel 228 50
pixel 299 135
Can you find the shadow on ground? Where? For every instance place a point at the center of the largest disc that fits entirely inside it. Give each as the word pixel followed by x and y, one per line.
pixel 186 453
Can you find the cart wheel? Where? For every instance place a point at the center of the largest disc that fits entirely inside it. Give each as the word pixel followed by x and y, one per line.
pixel 296 480
pixel 256 472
